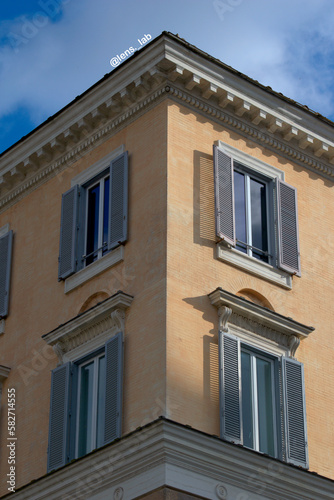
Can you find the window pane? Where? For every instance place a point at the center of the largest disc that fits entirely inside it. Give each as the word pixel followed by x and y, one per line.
pixel 86 409
pixel 265 407
pixel 101 392
pixel 259 218
pixel 247 410
pixel 93 222
pixel 240 209
pixel 105 214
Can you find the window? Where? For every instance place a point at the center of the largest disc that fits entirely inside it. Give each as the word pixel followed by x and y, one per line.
pixel 262 399
pixel 86 403
pixel 91 405
pixel 256 215
pixel 258 401
pixel 94 217
pixel 250 208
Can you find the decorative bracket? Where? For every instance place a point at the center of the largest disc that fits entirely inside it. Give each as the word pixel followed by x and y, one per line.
pixel 224 314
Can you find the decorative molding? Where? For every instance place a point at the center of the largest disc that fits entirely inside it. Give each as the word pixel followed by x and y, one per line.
pixel 253 266
pixel 276 143
pixel 94 269
pixel 224 314
pixel 166 65
pixel 258 320
pixel 172 455
pixel 91 329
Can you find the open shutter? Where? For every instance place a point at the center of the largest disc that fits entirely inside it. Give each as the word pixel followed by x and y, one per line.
pixel 114 388
pixel 5 268
pixel 289 256
pixel 224 196
pixel 59 417
pixel 230 393
pixel 68 233
pixel 118 216
pixel 295 413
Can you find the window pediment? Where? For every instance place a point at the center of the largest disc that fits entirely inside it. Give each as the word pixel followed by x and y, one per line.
pixel 257 323
pixel 91 329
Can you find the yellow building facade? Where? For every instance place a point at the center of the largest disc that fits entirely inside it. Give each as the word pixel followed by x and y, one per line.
pixel 166 290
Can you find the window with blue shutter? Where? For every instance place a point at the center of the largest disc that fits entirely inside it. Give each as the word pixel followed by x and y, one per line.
pixel 86 404
pixel 6 242
pixel 251 400
pixel 94 218
pixel 256 212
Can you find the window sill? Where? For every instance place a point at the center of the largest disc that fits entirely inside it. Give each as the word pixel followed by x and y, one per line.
pixel 97 267
pixel 254 266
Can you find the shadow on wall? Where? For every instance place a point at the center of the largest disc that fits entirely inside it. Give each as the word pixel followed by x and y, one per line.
pixel 204 200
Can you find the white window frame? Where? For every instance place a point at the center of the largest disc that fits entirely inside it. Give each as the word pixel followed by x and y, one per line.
pixel 241 260
pixel 99 251
pixel 275 401
pixel 93 443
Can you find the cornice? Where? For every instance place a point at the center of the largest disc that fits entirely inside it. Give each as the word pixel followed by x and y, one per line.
pixel 258 319
pixel 164 453
pixel 100 322
pixel 165 67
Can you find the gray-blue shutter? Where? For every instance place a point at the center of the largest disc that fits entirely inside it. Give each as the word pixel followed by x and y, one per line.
pixel 288 255
pixel 230 388
pixel 114 388
pixel 295 412
pixel 68 233
pixel 59 417
pixel 224 196
pixel 5 268
pixel 118 202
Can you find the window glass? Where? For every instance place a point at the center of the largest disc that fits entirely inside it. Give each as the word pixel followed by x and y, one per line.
pixel 257 386
pixel 101 401
pixel 250 208
pixel 258 218
pixel 247 409
pixel 86 378
pixel 265 406
pixel 93 223
pixel 92 389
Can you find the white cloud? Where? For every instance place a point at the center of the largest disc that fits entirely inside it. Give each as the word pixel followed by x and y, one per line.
pixel 285 44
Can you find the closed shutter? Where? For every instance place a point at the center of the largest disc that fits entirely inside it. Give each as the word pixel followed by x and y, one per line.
pixel 59 417
pixel 114 388
pixel 68 233
pixel 230 408
pixel 295 413
pixel 118 218
pixel 5 269
pixel 289 257
pixel 224 196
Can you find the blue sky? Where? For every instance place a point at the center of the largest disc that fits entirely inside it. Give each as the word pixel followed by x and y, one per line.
pixel 53 50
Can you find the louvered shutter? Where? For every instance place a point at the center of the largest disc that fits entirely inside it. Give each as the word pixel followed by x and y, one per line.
pixel 5 269
pixel 114 388
pixel 59 417
pixel 118 205
pixel 295 413
pixel 289 257
pixel 230 393
pixel 224 196
pixel 68 233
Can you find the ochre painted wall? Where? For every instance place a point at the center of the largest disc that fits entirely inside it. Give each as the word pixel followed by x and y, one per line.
pixel 193 271
pixel 38 303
